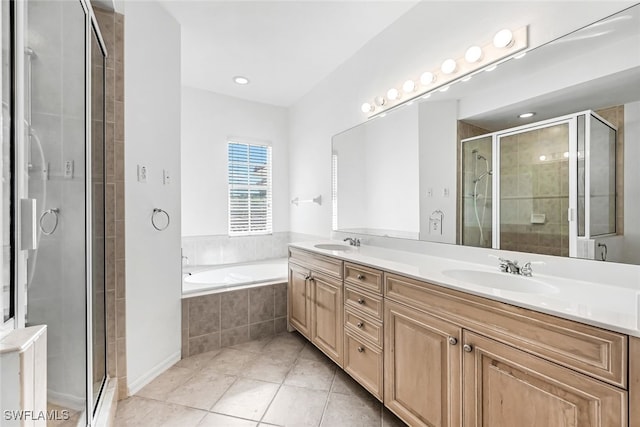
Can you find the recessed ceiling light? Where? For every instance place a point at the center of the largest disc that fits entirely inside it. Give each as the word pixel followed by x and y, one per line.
pixel 527 115
pixel 241 80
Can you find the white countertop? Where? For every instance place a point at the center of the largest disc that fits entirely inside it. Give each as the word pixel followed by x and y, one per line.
pixel 603 305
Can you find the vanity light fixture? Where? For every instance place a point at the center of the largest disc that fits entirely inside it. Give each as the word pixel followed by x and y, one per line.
pixel 449 66
pixel 409 86
pixel 527 115
pixel 393 94
pixel 367 108
pixel 503 39
pixel 427 78
pixel 473 54
pixel 241 80
pixel 505 45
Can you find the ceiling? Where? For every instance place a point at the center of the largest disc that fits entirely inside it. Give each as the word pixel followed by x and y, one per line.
pixel 285 48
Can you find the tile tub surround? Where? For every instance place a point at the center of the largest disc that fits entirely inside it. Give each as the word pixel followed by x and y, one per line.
pixel 281 380
pixel 222 249
pixel 232 317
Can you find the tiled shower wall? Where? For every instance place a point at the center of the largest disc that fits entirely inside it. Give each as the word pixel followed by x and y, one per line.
pixel 112 28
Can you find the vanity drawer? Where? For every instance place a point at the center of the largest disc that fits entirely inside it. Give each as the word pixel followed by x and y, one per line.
pixel 357 323
pixel 363 362
pixel 363 301
pixel 584 348
pixel 363 277
pixel 316 262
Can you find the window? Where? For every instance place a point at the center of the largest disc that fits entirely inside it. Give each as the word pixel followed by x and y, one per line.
pixel 249 189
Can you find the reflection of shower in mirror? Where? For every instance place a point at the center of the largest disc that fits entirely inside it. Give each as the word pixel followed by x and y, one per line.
pixel 476 196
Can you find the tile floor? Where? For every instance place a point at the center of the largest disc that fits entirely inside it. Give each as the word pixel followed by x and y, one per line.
pixel 282 381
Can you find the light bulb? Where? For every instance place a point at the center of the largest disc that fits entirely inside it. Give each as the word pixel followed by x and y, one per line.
pixel 393 94
pixel 543 158
pixel 409 86
pixel 427 78
pixel 449 66
pixel 474 54
pixel 565 154
pixel 503 38
pixel 241 80
pixel 380 101
pixel 367 108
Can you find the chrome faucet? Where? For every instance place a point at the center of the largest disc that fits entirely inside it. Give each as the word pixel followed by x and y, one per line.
pixel 353 241
pixel 508 266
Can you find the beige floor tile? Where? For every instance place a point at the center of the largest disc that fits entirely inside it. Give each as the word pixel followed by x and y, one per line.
pixel 246 399
pixel 170 415
pixel 266 368
pixel 165 383
pixel 201 391
pixel 311 374
pixel 344 384
pixel 288 342
pixel 296 407
pixel 352 411
pixel 134 411
pixel 218 420
pixel 198 361
pixel 311 352
pixel 253 346
pixel 389 419
pixel 230 361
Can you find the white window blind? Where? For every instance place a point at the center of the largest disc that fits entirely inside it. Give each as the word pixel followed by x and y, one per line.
pixel 249 189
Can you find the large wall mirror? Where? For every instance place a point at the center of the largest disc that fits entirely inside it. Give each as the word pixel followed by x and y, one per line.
pixel 464 166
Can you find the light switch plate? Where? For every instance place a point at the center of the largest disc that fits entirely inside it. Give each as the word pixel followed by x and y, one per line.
pixel 143 171
pixel 166 177
pixel 68 169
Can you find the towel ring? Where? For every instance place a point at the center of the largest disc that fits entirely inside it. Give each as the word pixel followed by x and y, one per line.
pixel 54 212
pixel 153 219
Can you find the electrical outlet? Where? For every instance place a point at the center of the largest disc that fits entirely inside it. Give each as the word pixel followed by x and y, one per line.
pixel 166 177
pixel 68 169
pixel 142 174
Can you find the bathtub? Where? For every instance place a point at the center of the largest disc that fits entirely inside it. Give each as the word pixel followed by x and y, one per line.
pixel 205 280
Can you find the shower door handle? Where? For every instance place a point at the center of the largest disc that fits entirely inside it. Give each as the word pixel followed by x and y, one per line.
pixel 28 224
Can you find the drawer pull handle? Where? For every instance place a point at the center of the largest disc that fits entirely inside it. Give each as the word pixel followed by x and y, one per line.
pixel 360 276
pixel 467 348
pixel 360 324
pixel 360 300
pixel 453 340
pixel 360 349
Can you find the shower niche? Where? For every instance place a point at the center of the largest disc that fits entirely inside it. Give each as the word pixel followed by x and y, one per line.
pixel 546 188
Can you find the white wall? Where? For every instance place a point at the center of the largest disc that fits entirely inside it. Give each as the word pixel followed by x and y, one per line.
pixel 152 135
pixel 394 55
pixel 208 120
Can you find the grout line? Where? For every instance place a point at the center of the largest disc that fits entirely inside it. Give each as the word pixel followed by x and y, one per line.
pixel 326 402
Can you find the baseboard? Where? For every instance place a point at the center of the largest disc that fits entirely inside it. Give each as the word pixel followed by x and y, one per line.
pixel 136 386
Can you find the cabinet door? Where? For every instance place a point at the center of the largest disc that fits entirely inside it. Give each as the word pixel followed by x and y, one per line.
pixel 506 387
pixel 299 293
pixel 422 361
pixel 327 328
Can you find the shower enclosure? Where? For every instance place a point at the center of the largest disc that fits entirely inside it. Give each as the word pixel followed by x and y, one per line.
pixel 56 100
pixel 546 188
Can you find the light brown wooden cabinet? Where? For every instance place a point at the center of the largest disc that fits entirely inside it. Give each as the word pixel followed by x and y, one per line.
pixel 440 357
pixel 506 387
pixel 422 367
pixel 316 301
pixel 326 316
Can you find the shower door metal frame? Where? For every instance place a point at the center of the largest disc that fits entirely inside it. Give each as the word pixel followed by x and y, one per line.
pixel 19 259
pixel 571 121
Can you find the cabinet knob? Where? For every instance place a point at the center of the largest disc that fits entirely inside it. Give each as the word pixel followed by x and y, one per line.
pixel 360 324
pixel 467 348
pixel 360 300
pixel 360 276
pixel 360 349
pixel 453 340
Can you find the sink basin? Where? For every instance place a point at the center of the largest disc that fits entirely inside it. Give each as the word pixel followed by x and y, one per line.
pixel 505 281
pixel 332 247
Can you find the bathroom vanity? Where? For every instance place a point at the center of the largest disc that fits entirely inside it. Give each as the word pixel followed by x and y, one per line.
pixel 440 345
